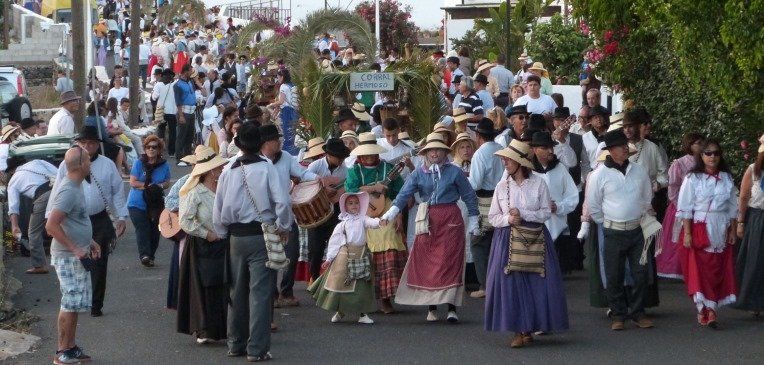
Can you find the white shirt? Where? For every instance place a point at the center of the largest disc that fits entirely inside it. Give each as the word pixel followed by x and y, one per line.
pixel 163 94
pixel 592 147
pixel 290 99
pixel 565 154
pixel 103 175
pixel 564 194
pixel 61 123
pixel 543 104
pixel 144 52
pixel 486 168
pixel 649 155
pixel 617 197
pixel 394 153
pixel 320 167
pixel 119 94
pixel 704 198
pixel 233 204
pixel 25 181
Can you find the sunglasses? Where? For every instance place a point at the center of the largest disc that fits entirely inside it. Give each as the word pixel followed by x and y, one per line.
pixel 152 147
pixel 716 153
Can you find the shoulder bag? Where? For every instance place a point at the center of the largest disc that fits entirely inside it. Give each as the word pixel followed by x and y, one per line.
pixel 277 259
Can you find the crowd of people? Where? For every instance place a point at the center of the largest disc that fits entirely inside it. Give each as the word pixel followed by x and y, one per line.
pixel 507 194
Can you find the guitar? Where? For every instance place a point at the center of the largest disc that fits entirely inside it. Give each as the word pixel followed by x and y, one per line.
pixel 377 200
pixel 169 225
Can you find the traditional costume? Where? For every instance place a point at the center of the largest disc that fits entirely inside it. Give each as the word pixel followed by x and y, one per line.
pixel 667 261
pixel 711 202
pixel 203 290
pixel 385 243
pixel 524 292
pixel 346 286
pixel 750 259
pixel 434 273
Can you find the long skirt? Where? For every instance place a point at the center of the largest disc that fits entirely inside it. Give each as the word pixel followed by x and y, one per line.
pixel 289 119
pixel 709 277
pixel 596 267
pixel 750 263
pixel 203 294
pixel 434 273
pixel 172 282
pixel 354 298
pixel 388 267
pixel 524 302
pixel 668 261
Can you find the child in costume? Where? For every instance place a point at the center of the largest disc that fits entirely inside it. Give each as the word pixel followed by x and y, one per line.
pixel 346 286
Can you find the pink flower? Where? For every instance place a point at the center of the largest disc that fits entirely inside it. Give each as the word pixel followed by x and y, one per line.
pixel 744 144
pixel 746 157
pixel 608 36
pixel 611 48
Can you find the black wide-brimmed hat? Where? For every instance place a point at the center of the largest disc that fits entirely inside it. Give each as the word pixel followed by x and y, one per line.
pixel 599 110
pixel 336 148
pixel 485 127
pixel 561 112
pixel 615 138
pixel 345 114
pixel 518 109
pixel 542 139
pixel 537 122
pixel 481 79
pixel 248 137
pixel 88 133
pixel 269 132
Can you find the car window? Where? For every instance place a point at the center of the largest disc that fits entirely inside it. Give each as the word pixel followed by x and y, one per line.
pixel 7 92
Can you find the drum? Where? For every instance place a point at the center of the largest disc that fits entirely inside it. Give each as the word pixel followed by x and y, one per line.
pixel 310 204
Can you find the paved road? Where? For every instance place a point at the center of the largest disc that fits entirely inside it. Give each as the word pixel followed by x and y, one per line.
pixel 136 329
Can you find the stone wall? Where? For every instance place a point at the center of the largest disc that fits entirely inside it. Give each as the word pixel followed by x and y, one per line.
pixel 39 74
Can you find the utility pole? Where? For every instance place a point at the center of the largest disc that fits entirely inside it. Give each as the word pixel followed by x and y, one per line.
pixel 80 57
pixel 6 21
pixel 509 32
pixel 133 70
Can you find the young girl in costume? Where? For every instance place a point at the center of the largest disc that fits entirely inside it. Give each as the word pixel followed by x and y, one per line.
pixel 346 286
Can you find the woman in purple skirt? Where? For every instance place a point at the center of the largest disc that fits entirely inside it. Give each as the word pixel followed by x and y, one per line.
pixel 526 295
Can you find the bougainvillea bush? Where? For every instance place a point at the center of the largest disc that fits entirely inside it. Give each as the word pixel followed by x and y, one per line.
pixel 396 27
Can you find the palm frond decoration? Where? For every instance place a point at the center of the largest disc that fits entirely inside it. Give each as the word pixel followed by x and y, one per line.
pixel 191 10
pixel 244 37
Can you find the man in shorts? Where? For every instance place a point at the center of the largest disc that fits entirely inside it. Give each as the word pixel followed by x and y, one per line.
pixel 73 252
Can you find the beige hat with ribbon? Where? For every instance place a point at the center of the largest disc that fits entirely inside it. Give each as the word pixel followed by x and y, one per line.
pixel 315 148
pixel 464 136
pixel 482 65
pixel 461 115
pixel 367 145
pixel 433 140
pixel 517 151
pixel 359 110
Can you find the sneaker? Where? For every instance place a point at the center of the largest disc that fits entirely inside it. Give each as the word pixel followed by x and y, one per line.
pixel 66 357
pixel 617 325
pixel 432 316
pixel 478 294
pixel 264 357
pixel 79 354
pixel 182 163
pixel 644 322
pixel 145 260
pixel 452 317
pixel 365 319
pixel 203 341
pixel 337 317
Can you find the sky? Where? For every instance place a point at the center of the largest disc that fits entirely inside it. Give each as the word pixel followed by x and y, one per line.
pixel 425 13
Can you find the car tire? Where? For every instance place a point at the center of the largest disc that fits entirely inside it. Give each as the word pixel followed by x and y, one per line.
pixel 19 108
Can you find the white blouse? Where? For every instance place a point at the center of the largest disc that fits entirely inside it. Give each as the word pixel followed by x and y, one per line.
pixel 351 230
pixel 531 198
pixel 703 197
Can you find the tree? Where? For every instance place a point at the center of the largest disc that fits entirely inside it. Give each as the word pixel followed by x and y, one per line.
pixel 397 27
pixel 133 69
pixel 560 47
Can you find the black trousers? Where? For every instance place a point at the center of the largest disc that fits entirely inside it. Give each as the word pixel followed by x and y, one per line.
pixel 103 235
pixel 171 123
pixel 318 239
pixel 621 246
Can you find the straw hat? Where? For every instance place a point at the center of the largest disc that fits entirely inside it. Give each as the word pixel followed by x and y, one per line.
pixel 461 115
pixel 367 145
pixel 359 57
pixel 349 134
pixel 8 131
pixel 523 57
pixel 464 136
pixel 315 148
pixel 614 126
pixel 206 160
pixel 359 110
pixel 406 139
pixel 617 117
pixel 483 65
pixel 517 151
pixel 442 128
pixel 538 66
pixel 434 140
pixel 272 66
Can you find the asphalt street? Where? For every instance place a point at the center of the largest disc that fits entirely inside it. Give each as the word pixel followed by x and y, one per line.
pixel 137 329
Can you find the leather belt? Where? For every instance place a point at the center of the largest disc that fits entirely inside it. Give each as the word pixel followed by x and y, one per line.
pixel 622 226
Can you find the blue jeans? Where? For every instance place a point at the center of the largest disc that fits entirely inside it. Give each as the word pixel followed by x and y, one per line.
pixel 146 233
pixel 249 314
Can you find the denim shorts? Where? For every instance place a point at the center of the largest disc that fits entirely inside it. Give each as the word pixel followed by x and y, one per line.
pixel 76 289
